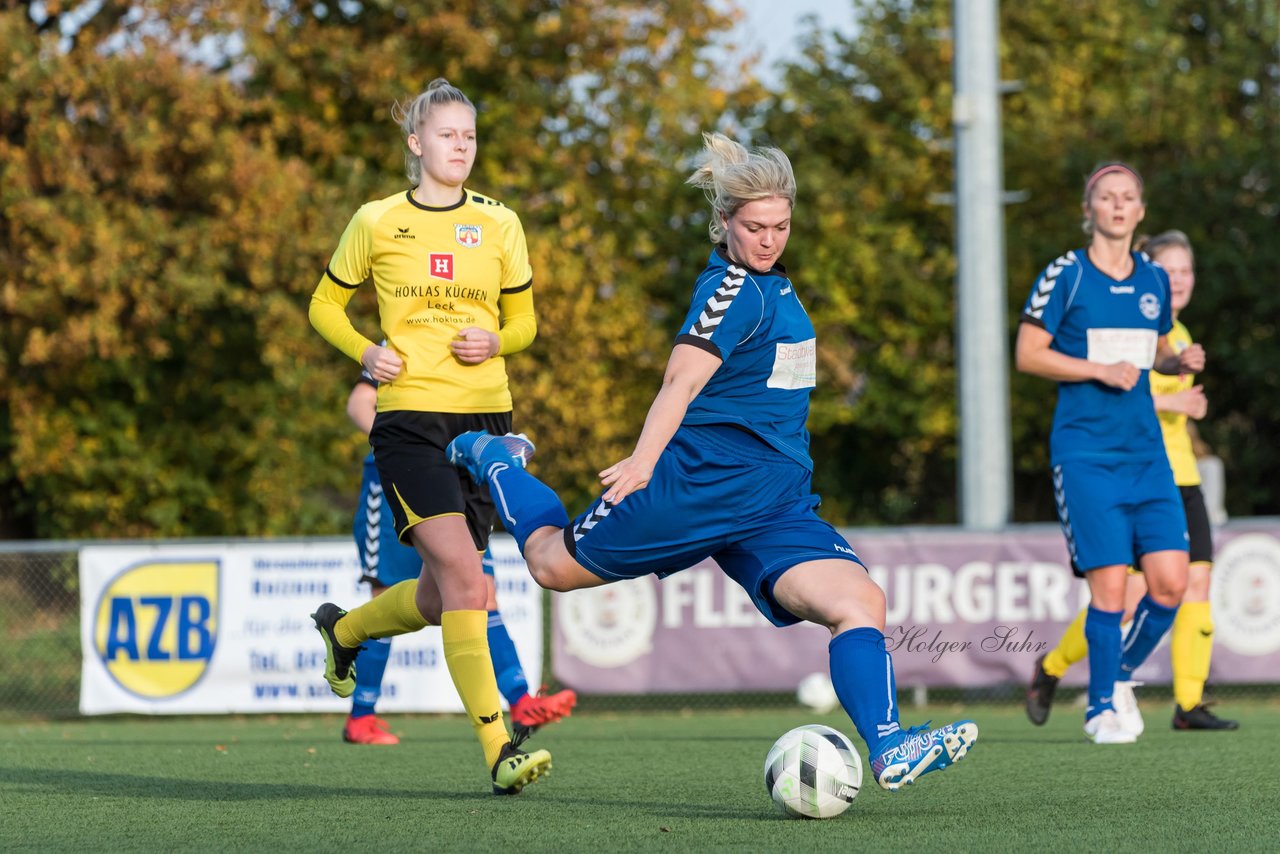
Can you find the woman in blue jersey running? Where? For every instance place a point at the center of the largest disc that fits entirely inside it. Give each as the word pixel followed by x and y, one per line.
pixel 722 469
pixel 1096 321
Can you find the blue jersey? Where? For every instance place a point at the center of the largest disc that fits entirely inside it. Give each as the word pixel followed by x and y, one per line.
pixel 755 324
pixel 735 482
pixel 1093 316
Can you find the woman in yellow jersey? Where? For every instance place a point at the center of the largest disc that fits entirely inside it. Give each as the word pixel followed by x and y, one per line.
pixel 1177 398
pixel 454 286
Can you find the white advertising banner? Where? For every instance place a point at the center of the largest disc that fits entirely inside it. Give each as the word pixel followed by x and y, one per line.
pixel 225 627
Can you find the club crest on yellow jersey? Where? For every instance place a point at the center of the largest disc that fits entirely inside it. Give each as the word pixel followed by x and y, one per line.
pixel 157 625
pixel 467 235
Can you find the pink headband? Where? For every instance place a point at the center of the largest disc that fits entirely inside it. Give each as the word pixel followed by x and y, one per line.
pixel 1110 170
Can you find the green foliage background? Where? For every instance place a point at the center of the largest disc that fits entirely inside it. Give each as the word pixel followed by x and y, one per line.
pixel 174 176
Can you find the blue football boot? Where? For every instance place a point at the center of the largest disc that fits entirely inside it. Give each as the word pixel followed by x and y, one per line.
pixel 919 750
pixel 477 451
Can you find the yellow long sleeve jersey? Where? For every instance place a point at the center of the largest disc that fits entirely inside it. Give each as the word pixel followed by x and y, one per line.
pixel 1177 441
pixel 436 271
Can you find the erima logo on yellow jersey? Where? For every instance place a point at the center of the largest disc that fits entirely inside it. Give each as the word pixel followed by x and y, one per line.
pixel 157 624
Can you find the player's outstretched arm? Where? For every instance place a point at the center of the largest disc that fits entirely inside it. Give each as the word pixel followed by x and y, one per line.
pixel 688 370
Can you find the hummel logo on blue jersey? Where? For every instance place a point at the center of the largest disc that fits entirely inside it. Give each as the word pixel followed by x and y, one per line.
pixel 718 304
pixel 1044 288
pixel 784 291
pixel 1122 289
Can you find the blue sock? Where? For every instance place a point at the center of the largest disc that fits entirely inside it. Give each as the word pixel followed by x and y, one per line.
pixel 506 661
pixel 524 503
pixel 862 673
pixel 1150 621
pixel 370 666
pixel 1102 631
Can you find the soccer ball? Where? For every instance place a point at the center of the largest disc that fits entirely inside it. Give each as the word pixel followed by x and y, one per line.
pixel 813 771
pixel 816 692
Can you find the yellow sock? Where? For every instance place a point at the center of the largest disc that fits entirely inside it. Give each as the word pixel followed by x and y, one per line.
pixel 392 613
pixel 1191 647
pixel 466 652
pixel 1070 649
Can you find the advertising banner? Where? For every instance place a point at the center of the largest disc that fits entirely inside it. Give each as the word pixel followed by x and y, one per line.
pixel 963 609
pixel 225 627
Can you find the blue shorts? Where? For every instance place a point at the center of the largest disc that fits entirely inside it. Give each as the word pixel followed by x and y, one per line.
pixel 717 492
pixel 1114 513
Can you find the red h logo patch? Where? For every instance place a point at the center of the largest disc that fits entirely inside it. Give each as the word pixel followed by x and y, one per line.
pixel 441 265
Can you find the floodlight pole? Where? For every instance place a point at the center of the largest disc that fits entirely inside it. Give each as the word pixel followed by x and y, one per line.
pixel 985 449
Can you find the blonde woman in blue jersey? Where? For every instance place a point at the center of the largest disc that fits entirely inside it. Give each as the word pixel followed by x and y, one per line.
pixel 722 470
pixel 1177 398
pixel 454 288
pixel 1096 322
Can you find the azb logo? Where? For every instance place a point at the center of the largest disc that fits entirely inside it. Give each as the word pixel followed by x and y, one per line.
pixel 156 626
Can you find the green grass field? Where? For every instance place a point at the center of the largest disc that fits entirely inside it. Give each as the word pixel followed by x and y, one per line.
pixel 673 782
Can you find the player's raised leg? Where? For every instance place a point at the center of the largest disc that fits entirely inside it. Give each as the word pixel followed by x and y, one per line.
pixel 524 503
pixel 530 510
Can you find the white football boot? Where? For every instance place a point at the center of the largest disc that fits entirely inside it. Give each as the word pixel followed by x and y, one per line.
pixel 1104 728
pixel 1126 706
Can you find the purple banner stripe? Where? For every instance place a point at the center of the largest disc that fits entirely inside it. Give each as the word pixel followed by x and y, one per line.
pixel 964 609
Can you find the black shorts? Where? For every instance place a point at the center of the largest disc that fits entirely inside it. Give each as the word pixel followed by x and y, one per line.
pixel 1198 528
pixel 417 479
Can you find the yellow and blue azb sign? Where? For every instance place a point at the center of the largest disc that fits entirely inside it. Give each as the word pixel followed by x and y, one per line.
pixel 157 624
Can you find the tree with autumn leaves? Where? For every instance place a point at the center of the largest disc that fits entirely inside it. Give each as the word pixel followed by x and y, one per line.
pixel 174 175
pixel 1188 90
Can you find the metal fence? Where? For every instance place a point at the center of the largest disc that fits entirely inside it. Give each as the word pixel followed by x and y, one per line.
pixel 40 671
pixel 40 631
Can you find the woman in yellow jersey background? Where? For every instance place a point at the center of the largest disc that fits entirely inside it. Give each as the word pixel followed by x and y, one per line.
pixel 454 286
pixel 1177 398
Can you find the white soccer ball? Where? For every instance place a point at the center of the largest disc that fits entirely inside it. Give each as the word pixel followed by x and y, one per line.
pixel 813 771
pixel 816 692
